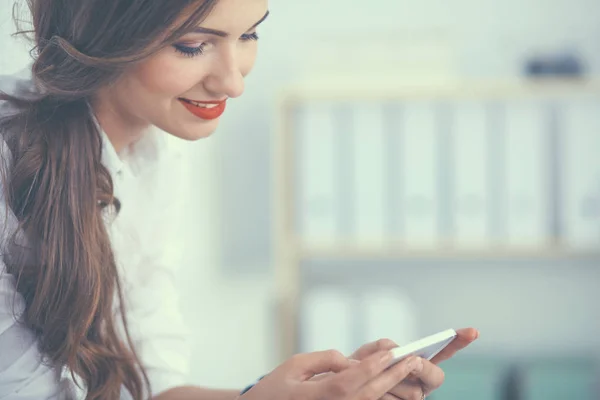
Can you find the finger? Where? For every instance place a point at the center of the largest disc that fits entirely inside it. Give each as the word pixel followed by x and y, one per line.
pixel 305 366
pixel 406 391
pixel 464 337
pixel 384 382
pixel 350 381
pixel 431 376
pixel 389 396
pixel 373 347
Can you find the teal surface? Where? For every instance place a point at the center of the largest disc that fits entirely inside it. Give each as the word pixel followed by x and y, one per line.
pixel 560 379
pixel 481 379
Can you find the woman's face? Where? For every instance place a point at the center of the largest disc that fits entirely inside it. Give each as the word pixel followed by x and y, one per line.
pixel 183 88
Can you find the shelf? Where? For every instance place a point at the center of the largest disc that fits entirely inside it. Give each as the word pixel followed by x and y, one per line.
pixel 397 252
pixel 384 89
pixel 293 253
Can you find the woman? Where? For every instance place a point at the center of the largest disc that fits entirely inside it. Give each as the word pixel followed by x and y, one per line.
pixel 89 189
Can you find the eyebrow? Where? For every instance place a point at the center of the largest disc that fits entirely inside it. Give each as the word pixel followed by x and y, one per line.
pixel 225 34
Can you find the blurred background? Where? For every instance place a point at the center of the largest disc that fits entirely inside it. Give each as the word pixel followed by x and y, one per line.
pixel 396 168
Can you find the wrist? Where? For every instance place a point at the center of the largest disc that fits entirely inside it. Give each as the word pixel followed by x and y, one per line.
pixel 248 388
pixel 197 393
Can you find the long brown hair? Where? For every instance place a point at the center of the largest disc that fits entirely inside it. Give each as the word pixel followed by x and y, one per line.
pixel 59 190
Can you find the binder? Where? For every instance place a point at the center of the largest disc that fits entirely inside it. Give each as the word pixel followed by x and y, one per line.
pixel 580 167
pixel 470 204
pixel 317 168
pixel 326 320
pixel 369 174
pixel 391 314
pixel 528 167
pixel 418 166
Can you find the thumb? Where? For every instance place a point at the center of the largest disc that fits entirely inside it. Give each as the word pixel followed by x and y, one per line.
pixel 305 366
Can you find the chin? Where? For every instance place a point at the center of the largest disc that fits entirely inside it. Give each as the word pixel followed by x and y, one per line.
pixel 193 132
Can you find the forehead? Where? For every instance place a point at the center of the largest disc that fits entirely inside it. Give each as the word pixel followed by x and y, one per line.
pixel 235 15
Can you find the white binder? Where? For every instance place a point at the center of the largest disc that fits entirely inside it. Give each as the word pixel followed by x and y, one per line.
pixel 391 314
pixel 317 166
pixel 470 202
pixel 418 164
pixel 581 174
pixel 327 321
pixel 528 223
pixel 369 174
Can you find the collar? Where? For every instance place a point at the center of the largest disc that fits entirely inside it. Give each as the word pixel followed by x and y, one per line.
pixel 110 157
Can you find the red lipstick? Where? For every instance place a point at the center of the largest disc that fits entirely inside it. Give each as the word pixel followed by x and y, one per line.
pixel 207 110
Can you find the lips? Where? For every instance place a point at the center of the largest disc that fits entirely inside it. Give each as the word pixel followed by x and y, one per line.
pixel 207 110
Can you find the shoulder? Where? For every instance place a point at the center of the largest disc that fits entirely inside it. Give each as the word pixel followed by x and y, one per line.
pixel 22 372
pixel 15 85
pixel 8 220
pixel 19 85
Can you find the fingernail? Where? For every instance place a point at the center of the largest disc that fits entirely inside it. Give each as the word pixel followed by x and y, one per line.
pixel 387 356
pixel 411 362
pixel 354 361
pixel 417 364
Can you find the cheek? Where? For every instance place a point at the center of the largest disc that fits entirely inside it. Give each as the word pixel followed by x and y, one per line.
pixel 167 74
pixel 247 59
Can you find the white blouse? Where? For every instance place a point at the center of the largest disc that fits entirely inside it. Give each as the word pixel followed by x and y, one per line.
pixel 147 250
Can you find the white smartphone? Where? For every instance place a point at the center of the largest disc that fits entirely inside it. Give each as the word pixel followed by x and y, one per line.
pixel 426 348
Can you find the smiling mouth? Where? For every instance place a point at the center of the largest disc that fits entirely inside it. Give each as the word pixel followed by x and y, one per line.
pixel 207 110
pixel 202 104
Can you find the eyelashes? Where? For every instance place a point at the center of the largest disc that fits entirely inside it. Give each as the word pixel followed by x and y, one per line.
pixel 193 51
pixel 249 37
pixel 190 51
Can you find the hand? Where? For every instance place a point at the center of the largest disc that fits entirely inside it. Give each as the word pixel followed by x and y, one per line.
pixel 423 383
pixel 367 379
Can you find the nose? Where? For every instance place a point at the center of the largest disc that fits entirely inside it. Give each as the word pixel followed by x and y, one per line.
pixel 226 77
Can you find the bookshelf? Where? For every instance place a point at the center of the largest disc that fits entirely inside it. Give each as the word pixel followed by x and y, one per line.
pixel 290 247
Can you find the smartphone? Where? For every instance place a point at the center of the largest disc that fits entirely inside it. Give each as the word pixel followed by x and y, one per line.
pixel 426 348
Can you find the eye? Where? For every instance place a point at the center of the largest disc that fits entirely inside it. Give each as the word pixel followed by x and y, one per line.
pixel 247 37
pixel 190 51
